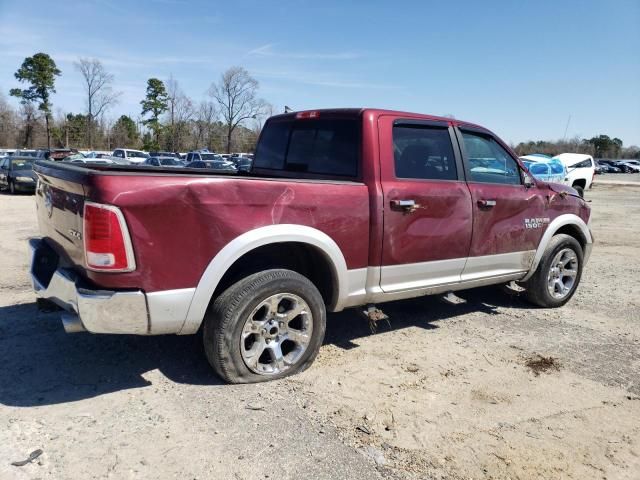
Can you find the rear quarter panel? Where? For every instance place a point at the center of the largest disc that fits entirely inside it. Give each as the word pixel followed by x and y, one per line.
pixel 179 223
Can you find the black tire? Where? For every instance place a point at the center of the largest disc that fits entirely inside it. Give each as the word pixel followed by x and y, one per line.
pixel 536 287
pixel 579 189
pixel 225 320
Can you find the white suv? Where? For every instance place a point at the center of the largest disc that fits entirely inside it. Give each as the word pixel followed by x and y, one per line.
pixel 126 155
pixel 580 170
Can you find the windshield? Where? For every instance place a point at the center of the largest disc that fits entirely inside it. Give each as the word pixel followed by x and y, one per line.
pixel 169 161
pixel 22 164
pixel 134 154
pixel 211 156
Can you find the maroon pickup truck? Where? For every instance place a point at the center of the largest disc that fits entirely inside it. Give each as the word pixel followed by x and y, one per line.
pixel 342 208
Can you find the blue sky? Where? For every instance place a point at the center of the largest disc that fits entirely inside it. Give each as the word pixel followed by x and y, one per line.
pixel 518 68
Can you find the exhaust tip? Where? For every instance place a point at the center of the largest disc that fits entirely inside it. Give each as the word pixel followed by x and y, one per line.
pixel 71 323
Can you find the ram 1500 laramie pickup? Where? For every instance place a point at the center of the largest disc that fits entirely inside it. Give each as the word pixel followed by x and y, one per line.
pixel 342 208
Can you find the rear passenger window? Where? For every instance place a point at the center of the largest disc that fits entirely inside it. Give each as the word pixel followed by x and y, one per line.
pixel 325 146
pixel 423 153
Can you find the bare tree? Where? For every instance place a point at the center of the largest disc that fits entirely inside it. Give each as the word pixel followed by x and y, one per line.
pixel 100 94
pixel 269 110
pixel 180 111
pixel 236 93
pixel 8 123
pixel 204 125
pixel 29 121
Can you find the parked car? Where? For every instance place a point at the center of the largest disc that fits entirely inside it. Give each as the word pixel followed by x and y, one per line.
pixel 580 170
pixel 343 208
pixel 220 165
pixel 57 154
pixel 163 162
pixel 74 157
pixel 130 156
pixel 29 153
pixel 164 154
pixel 545 168
pixel 629 166
pixel 243 164
pixel 200 155
pixel 98 154
pixel 220 161
pixel 244 154
pixel 77 159
pixel 610 166
pixel 16 174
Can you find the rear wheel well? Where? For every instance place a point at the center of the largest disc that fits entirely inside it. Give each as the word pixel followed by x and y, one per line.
pixel 303 258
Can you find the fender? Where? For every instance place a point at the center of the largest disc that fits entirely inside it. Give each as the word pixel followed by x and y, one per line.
pixel 557 223
pixel 250 240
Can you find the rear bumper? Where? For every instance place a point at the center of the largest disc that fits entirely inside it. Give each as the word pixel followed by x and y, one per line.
pixel 98 311
pixel 105 311
pixel 22 186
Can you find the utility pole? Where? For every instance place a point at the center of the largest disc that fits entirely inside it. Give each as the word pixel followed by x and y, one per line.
pixel 566 128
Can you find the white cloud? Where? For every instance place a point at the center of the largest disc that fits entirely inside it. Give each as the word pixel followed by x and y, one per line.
pixel 268 50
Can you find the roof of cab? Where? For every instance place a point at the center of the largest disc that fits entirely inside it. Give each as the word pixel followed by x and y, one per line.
pixel 380 112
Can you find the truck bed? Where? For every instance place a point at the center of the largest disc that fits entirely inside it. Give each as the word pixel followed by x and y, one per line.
pixel 179 219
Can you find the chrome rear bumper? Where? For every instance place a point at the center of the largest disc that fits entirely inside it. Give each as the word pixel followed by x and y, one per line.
pixel 97 311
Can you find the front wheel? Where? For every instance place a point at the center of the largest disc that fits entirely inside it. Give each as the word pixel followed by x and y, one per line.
pixel 267 326
pixel 558 274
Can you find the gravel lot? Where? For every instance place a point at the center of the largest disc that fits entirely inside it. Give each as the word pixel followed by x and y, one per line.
pixel 489 389
pixel 618 178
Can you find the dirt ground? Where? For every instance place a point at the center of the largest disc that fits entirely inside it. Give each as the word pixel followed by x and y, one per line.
pixel 491 389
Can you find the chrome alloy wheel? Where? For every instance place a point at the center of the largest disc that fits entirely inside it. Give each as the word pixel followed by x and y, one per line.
pixel 276 334
pixel 562 273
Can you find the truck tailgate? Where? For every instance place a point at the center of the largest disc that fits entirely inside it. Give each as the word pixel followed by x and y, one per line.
pixel 59 205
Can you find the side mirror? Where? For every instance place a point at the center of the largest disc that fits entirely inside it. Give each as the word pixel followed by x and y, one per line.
pixel 528 181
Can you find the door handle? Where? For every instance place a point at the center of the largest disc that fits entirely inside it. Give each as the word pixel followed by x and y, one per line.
pixel 486 203
pixel 406 206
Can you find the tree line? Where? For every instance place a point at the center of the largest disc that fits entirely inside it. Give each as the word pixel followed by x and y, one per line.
pixel 229 119
pixel 600 146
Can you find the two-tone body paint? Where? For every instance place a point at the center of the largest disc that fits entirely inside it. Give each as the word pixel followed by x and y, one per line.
pixel 180 222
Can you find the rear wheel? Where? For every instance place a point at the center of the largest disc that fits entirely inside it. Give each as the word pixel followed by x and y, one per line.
pixel 267 326
pixel 558 274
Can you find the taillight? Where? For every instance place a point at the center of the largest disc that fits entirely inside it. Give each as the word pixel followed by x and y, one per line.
pixel 107 245
pixel 308 114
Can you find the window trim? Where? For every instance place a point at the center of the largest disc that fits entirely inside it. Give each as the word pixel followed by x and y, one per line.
pixel 485 133
pixel 431 124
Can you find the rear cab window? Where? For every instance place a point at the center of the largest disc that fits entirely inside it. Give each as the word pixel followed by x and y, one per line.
pixel 324 147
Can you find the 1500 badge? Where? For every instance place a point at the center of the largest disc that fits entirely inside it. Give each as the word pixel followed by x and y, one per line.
pixel 535 222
